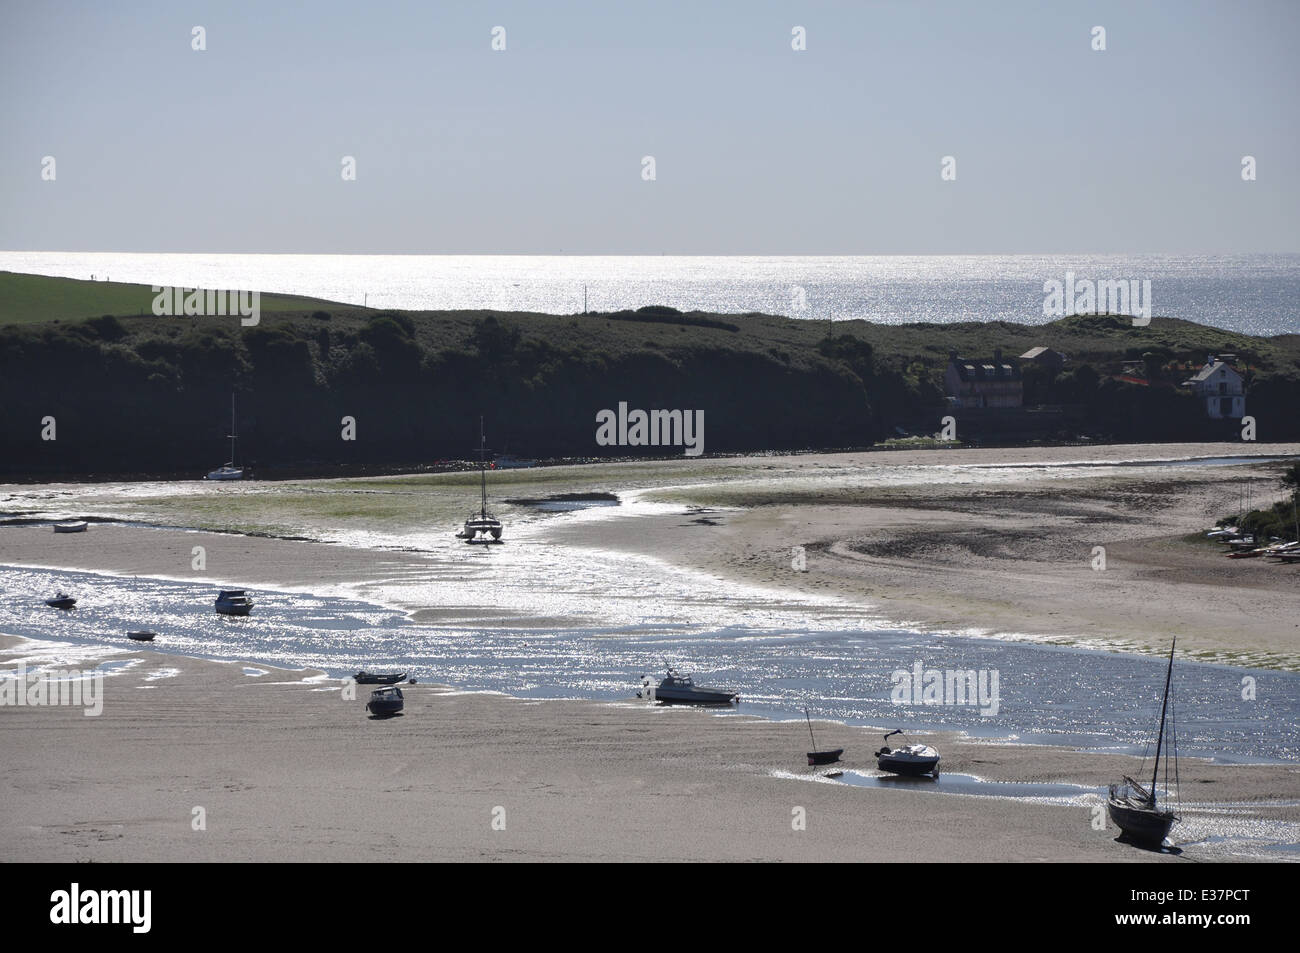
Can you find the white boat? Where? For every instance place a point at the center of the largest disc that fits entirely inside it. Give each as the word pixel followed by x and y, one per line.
pixel 234 602
pixel 228 470
pixel 913 760
pixel 76 526
pixel 481 527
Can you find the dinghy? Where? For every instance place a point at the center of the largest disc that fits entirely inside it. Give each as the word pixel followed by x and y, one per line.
pixel 75 526
pixel 61 601
pixel 373 678
pixel 142 636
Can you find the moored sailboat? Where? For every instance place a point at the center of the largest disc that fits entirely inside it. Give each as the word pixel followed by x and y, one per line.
pixel 229 471
pixel 481 527
pixel 1133 807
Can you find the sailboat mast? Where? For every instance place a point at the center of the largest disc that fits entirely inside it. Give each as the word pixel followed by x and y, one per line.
pixel 1155 772
pixel 232 428
pixel 482 465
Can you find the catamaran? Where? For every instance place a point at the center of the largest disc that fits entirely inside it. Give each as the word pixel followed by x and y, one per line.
pixel 481 527
pixel 1133 807
pixel 229 471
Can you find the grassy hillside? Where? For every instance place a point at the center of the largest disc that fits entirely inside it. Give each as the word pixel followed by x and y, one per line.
pixel 35 299
pixel 134 392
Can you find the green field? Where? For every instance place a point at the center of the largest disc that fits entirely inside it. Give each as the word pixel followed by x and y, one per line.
pixel 36 299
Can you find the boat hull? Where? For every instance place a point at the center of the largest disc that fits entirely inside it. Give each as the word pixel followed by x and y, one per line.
pixel 912 768
pixel 77 527
pixel 699 696
pixel 142 636
pixel 824 757
pixel 61 603
pixel 1141 825
pixel 365 678
pixel 240 610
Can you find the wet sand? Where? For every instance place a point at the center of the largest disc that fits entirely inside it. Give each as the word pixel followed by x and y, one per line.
pixel 288 770
pixel 285 769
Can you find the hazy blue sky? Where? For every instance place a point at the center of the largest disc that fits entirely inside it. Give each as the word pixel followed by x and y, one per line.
pixel 759 149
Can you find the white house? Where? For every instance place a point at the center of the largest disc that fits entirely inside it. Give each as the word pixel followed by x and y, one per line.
pixel 1221 388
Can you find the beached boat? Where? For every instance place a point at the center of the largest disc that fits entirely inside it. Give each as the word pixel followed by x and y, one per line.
pixel 678 689
pixel 913 760
pixel 228 470
pixel 61 600
pixel 74 526
pixel 234 602
pixel 385 702
pixel 142 636
pixel 816 757
pixel 373 678
pixel 1132 806
pixel 481 527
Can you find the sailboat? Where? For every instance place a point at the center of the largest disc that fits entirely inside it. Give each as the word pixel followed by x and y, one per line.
pixel 481 527
pixel 1133 807
pixel 229 471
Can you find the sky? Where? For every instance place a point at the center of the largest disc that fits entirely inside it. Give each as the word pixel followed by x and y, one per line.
pixel 758 148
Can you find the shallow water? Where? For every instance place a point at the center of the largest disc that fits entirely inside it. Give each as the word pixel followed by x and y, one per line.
pixel 1045 694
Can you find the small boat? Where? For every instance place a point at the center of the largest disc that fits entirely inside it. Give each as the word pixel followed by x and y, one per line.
pixel 228 470
pixel 678 689
pixel 374 678
pixel 911 759
pixel 75 526
pixel 234 602
pixel 142 636
pixel 816 757
pixel 385 702
pixel 61 600
pixel 1132 806
pixel 481 527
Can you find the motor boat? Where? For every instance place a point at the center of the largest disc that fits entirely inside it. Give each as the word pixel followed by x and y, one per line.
pixel 678 689
pixel 385 702
pixel 142 636
pixel 234 602
pixel 1132 806
pixel 373 678
pixel 913 760
pixel 74 526
pixel 61 600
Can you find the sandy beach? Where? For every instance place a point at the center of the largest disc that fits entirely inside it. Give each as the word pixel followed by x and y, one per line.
pixel 284 768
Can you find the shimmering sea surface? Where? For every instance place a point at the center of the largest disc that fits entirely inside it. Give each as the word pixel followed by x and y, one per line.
pixel 1254 294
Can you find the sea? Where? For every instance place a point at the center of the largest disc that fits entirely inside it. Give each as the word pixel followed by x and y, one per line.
pixel 1252 294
